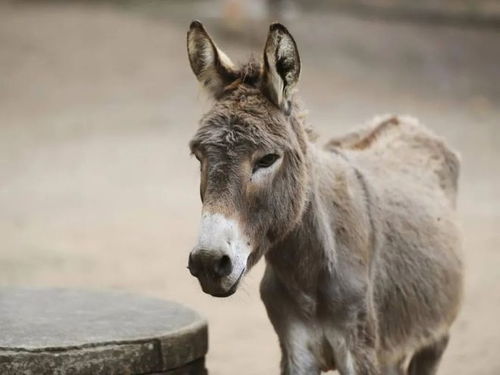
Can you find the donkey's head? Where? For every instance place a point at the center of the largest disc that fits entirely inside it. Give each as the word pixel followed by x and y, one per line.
pixel 251 147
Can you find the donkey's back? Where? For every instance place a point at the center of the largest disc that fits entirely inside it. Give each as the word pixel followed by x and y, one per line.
pixel 411 175
pixel 402 148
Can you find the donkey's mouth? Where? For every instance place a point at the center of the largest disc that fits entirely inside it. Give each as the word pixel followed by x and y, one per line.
pixel 231 290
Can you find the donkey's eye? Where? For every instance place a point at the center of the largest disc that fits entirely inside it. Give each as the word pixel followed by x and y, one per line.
pixel 265 161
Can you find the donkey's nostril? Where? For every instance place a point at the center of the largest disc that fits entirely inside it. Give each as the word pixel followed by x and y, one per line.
pixel 192 266
pixel 223 266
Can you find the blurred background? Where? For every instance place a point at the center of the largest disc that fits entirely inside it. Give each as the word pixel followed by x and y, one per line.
pixel 98 103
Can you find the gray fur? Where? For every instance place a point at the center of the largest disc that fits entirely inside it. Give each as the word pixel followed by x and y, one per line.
pixel 363 272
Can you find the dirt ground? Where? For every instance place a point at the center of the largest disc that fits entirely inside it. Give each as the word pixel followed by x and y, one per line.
pixel 97 188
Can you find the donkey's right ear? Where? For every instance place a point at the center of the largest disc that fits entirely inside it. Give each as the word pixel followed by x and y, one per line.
pixel 210 65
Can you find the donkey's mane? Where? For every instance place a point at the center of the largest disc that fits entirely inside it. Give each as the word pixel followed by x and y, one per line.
pixel 249 73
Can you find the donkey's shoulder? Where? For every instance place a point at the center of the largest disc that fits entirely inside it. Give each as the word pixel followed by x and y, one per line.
pixel 402 145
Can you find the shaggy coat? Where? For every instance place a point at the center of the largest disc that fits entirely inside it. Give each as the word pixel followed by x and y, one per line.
pixel 363 272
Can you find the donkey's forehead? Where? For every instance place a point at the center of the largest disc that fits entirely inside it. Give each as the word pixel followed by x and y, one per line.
pixel 242 120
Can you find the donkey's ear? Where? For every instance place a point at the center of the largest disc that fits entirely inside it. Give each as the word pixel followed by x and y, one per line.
pixel 281 66
pixel 211 66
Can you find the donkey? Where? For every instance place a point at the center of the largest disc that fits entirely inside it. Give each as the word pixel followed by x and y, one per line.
pixel 363 268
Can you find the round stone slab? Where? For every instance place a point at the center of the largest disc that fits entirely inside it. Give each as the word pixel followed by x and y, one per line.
pixel 77 332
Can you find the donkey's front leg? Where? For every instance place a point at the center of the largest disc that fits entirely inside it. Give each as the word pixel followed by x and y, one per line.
pixel 294 335
pixel 354 345
pixel 358 360
pixel 296 356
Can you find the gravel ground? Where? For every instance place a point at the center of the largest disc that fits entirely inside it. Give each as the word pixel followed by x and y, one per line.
pixel 97 188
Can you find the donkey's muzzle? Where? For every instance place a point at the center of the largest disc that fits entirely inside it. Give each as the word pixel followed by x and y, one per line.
pixel 219 259
pixel 205 263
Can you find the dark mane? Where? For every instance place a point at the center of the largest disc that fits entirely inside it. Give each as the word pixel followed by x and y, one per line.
pixel 249 74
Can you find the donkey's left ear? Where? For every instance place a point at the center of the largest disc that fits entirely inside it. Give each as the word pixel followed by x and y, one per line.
pixel 281 66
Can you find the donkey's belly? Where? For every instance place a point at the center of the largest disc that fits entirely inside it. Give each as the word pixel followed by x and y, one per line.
pixel 418 289
pixel 417 266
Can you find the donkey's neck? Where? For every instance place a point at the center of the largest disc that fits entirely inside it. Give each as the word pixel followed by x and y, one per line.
pixel 311 242
pixel 329 226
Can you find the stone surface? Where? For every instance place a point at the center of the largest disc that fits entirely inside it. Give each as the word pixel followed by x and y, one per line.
pixel 61 331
